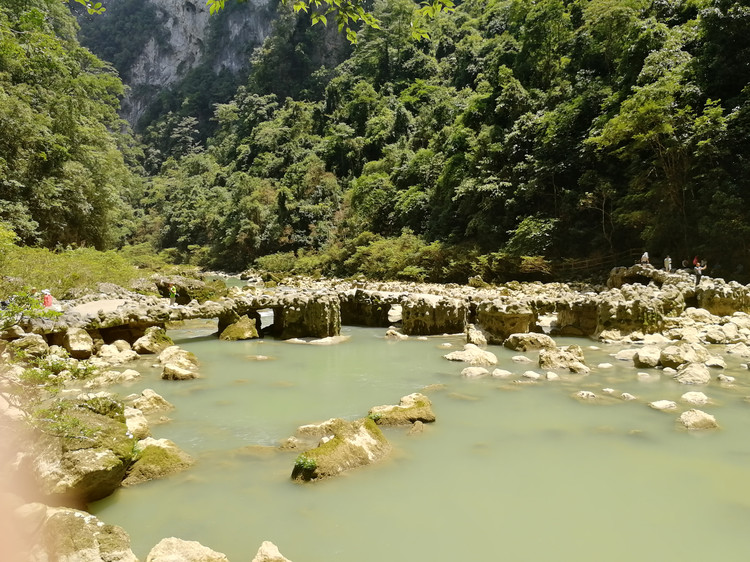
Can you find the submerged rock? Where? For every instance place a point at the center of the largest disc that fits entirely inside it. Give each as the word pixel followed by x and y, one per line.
pixel 351 445
pixel 413 407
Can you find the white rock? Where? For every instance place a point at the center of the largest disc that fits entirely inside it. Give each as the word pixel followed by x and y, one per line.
pixel 627 396
pixel 269 552
pixel 533 375
pixel 663 405
pixel 725 379
pixel 522 359
pixel 695 398
pixel 697 419
pixel 604 365
pixel 502 373
pixel 585 395
pixel 474 372
pixel 552 376
pixel 473 355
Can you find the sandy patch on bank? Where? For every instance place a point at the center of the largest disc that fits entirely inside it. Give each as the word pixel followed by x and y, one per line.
pixel 106 305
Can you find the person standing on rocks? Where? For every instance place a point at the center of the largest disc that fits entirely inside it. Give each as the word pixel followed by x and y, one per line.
pixel 667 264
pixel 172 295
pixel 699 268
pixel 644 259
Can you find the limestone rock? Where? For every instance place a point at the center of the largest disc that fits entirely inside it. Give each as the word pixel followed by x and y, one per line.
pixel 411 408
pixel 475 335
pixel 433 314
pixel 243 329
pixel 269 552
pixel 697 419
pixel 33 344
pixel 83 468
pixel 474 372
pixel 695 398
pixel 647 356
pixel 136 423
pixel 70 535
pixel 393 334
pixel 149 401
pixel 525 342
pixel 663 405
pixel 501 373
pixel 473 355
pixel 172 372
pixel 177 550
pixel 178 357
pixel 569 357
pixel 693 373
pixel 155 340
pixel 585 395
pixel 78 343
pixel 500 319
pixel 676 355
pixel 351 445
pixel 156 458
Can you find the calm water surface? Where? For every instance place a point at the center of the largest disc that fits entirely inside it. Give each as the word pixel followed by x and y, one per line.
pixel 509 471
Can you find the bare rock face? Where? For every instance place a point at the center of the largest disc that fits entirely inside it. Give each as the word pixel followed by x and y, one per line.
pixel 525 342
pixel 697 419
pixel 243 329
pixel 70 535
pixel 178 550
pixel 350 445
pixel 302 316
pixel 411 408
pixel 569 358
pixel 269 552
pixel 475 335
pixel 79 343
pixel 473 355
pixel 423 315
pixel 156 458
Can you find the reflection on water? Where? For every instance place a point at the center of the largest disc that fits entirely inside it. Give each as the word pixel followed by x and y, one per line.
pixel 508 471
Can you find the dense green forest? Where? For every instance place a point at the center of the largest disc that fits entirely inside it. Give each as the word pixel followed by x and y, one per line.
pixel 518 133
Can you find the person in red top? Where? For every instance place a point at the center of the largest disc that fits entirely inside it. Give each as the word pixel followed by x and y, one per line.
pixel 46 298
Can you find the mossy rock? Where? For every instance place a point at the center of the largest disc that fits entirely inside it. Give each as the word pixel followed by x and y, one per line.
pixel 156 458
pixel 243 329
pixel 412 408
pixel 353 444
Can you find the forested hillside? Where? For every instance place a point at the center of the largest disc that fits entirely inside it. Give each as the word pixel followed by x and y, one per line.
pixel 518 128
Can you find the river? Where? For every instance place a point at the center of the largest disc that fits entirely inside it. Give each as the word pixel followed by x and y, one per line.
pixel 509 471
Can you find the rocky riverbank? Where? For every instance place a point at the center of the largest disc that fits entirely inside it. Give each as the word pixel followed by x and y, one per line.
pixel 100 442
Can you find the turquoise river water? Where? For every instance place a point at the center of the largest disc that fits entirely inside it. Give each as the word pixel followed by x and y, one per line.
pixel 513 472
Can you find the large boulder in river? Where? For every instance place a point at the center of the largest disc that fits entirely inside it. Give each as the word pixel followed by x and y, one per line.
pixel 697 419
pixel 693 373
pixel 243 329
pixel 155 340
pixel 177 550
pixel 647 356
pixel 411 408
pixel 568 358
pixel 473 355
pixel 69 535
pixel 179 364
pixel 501 319
pixel 349 445
pixel 675 355
pixel 78 343
pixel 89 460
pixel 525 342
pixel 269 552
pixel 156 458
